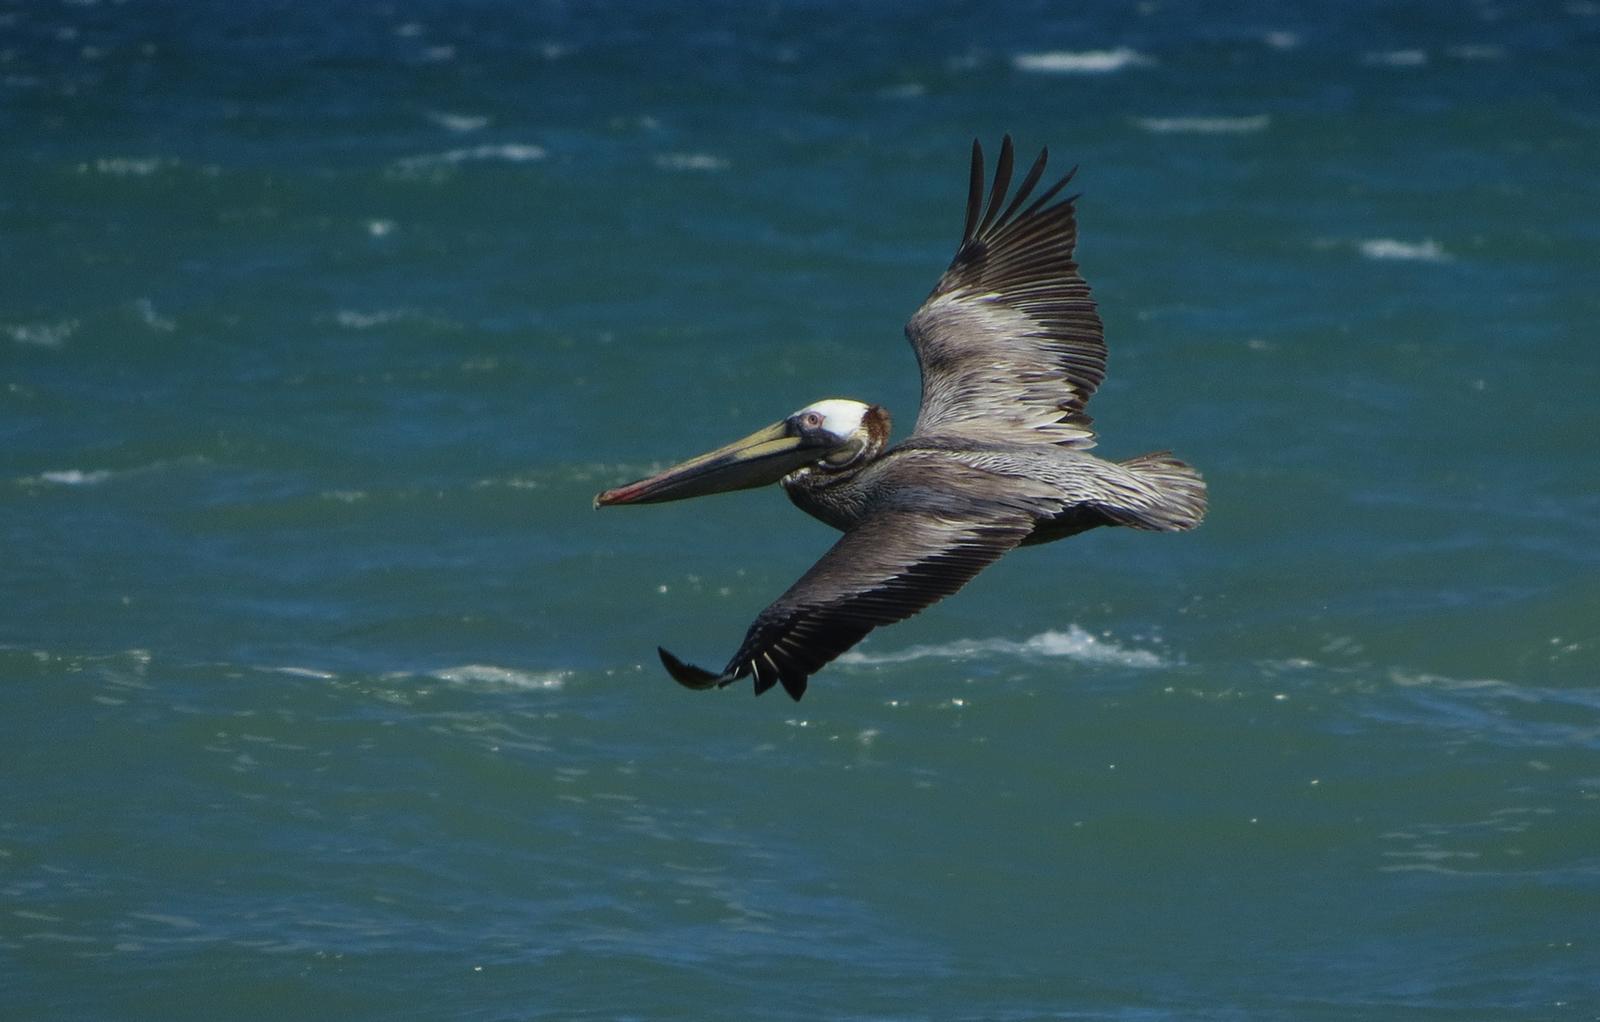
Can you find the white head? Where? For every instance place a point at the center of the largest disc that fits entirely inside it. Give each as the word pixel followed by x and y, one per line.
pixel 829 436
pixel 851 428
pixel 839 416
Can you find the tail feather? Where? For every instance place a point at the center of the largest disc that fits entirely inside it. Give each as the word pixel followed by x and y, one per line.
pixel 1176 499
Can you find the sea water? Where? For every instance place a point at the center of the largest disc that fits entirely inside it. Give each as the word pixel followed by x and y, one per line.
pixel 325 693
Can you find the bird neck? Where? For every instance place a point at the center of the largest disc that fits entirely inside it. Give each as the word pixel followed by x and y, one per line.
pixel 832 496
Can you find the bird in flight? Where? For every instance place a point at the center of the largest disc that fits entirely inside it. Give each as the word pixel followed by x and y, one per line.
pixel 1011 349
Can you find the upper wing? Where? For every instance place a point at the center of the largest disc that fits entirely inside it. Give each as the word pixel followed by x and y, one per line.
pixel 1009 343
pixel 885 569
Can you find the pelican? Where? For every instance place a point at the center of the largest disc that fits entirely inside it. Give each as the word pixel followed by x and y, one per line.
pixel 1011 349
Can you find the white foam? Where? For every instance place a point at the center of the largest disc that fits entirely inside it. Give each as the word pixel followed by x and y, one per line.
pixel 78 477
pixel 690 161
pixel 1441 682
pixel 353 320
pixel 147 312
pixel 127 166
pixel 1495 688
pixel 345 496
pixel 1398 58
pixel 176 922
pixel 1477 52
pixel 44 335
pixel 1205 125
pixel 459 122
pixel 510 152
pixel 1389 248
pixel 485 674
pixel 1081 62
pixel 1075 643
pixel 305 672
pixel 75 477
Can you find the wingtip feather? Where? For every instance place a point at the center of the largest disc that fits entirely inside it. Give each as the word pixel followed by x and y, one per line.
pixel 687 675
pixel 974 193
pixel 1002 183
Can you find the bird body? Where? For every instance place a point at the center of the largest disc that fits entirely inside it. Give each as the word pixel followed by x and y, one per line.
pixel 1010 349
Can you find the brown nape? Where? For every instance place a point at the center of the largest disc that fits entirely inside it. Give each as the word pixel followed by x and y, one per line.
pixel 879 426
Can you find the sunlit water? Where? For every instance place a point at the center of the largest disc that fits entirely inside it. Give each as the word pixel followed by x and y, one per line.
pixel 327 694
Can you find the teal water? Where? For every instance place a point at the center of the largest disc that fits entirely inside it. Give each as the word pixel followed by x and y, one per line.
pixel 327 694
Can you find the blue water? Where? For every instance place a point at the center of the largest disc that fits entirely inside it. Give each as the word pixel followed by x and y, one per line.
pixel 327 694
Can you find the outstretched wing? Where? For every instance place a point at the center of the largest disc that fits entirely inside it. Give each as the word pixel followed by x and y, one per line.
pixel 1010 346
pixel 885 569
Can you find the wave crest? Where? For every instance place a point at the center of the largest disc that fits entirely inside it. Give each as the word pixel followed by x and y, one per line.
pixel 1082 62
pixel 484 674
pixel 1075 643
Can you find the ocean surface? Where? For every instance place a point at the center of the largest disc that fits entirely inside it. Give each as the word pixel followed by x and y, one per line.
pixel 325 692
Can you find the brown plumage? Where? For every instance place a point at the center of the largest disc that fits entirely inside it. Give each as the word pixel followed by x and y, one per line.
pixel 1010 346
pixel 1011 350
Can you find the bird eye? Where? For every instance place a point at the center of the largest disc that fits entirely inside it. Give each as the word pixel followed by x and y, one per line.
pixel 812 420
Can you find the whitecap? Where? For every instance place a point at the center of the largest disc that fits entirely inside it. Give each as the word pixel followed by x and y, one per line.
pixel 1442 682
pixel 511 152
pixel 305 672
pixel 74 477
pixel 176 922
pixel 1481 705
pixel 1398 58
pixel 127 166
pixel 484 674
pixel 690 161
pixel 458 122
pixel 147 312
pixel 1205 125
pixel 43 335
pixel 1389 248
pixel 78 477
pixel 1075 643
pixel 1082 62
pixel 353 320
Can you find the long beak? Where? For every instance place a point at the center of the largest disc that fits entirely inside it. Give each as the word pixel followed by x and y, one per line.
pixel 758 460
